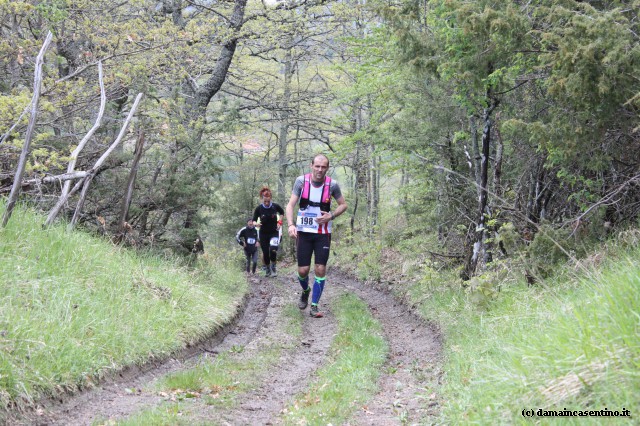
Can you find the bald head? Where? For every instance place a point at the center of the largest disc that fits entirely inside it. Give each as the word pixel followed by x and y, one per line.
pixel 320 157
pixel 319 167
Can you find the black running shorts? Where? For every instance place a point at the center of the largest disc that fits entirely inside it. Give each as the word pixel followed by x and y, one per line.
pixel 317 244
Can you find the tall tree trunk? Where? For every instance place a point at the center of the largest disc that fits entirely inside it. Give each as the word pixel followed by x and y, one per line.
pixel 481 247
pixel 404 180
pixel 484 211
pixel 497 181
pixel 284 126
pixel 477 157
pixel 538 189
pixel 497 172
pixel 375 188
pixel 360 165
pixel 208 90
pixel 144 218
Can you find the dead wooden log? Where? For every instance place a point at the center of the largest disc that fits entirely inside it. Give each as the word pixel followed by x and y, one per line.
pixel 85 139
pixel 130 183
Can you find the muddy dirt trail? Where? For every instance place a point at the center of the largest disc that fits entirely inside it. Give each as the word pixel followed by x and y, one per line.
pixel 406 390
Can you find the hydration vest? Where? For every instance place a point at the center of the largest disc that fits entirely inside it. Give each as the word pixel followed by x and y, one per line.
pixel 325 201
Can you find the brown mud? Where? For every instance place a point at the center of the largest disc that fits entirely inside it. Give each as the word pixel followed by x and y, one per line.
pixel 407 389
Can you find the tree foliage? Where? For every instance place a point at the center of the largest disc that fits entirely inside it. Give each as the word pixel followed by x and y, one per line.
pixel 462 115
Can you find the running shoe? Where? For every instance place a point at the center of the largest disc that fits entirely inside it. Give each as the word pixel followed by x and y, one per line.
pixel 314 312
pixel 304 299
pixel 273 270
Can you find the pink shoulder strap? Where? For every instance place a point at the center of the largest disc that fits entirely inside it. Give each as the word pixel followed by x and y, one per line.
pixel 305 186
pixel 326 191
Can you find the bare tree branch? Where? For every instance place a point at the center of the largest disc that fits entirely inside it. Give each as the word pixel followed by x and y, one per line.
pixel 102 159
pixel 17 179
pixel 83 142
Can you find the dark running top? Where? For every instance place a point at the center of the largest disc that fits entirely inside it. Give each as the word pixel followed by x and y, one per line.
pixel 249 236
pixel 268 217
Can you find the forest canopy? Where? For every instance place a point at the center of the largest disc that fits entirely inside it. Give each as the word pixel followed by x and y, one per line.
pixel 480 123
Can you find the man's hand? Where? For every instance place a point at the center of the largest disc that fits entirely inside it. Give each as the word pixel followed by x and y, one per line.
pixel 293 231
pixel 325 218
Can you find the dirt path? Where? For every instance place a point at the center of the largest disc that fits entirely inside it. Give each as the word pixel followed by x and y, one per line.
pixel 407 390
pixel 406 394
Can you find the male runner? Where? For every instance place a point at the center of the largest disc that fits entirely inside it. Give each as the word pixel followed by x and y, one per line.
pixel 312 226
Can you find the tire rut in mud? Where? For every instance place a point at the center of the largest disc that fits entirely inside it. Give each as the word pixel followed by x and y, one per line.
pixel 291 374
pixel 406 387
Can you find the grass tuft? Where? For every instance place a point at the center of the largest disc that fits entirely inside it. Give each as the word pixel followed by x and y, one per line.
pixel 74 308
pixel 352 370
pixel 574 344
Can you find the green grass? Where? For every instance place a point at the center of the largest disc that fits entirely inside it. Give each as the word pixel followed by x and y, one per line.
pixel 352 370
pixel 571 342
pixel 574 344
pixel 165 415
pixel 74 308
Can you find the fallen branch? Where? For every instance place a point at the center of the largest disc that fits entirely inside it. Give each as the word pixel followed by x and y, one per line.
pixel 64 195
pixel 451 256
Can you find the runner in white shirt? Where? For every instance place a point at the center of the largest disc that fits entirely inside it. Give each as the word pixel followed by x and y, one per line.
pixel 312 227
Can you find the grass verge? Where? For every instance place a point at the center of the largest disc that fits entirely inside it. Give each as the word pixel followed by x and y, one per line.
pixel 74 308
pixel 572 344
pixel 352 371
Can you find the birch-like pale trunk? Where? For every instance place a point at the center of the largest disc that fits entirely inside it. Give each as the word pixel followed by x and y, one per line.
pixel 102 159
pixel 22 162
pixel 284 126
pixel 87 137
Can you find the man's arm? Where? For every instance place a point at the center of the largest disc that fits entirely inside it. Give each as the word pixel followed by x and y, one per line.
pixel 289 212
pixel 342 207
pixel 327 216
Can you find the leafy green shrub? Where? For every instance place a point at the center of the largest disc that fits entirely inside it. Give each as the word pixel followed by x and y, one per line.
pixel 368 266
pixel 548 249
pixel 511 240
pixel 484 288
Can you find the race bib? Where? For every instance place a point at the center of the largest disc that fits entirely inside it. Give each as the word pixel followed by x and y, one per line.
pixel 307 220
pixel 251 240
pixel 274 242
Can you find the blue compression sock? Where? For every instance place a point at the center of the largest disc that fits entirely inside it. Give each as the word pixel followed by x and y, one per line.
pixel 318 286
pixel 304 282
